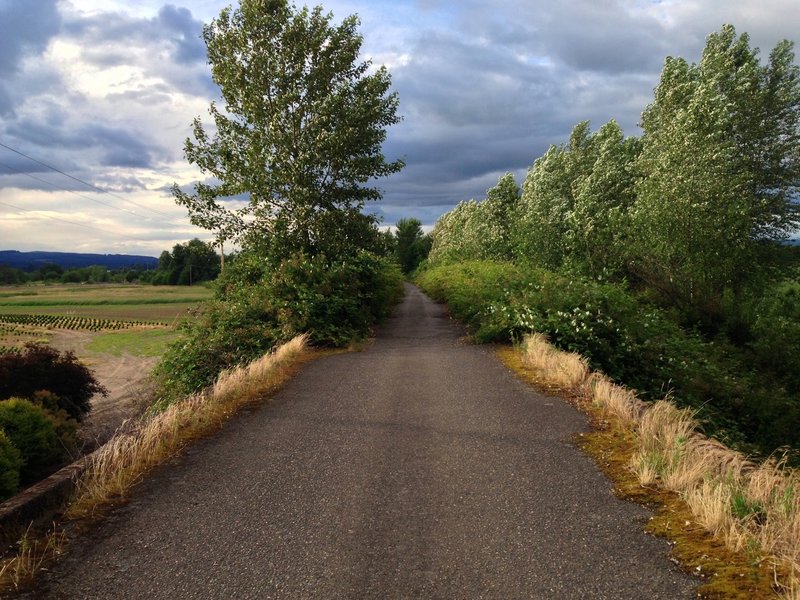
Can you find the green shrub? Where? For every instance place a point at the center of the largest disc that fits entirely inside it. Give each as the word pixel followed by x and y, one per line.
pixel 34 435
pixel 41 367
pixel 65 426
pixel 634 343
pixel 469 288
pixel 10 465
pixel 224 334
pixel 259 305
pixel 775 333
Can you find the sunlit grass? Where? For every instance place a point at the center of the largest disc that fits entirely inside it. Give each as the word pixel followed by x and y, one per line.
pixel 144 342
pixel 754 508
pixel 111 301
pixel 113 293
pixel 124 460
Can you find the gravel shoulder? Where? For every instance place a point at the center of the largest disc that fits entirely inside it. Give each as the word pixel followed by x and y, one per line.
pixel 418 468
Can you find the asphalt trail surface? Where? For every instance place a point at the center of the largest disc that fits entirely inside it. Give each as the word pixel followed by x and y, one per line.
pixel 419 468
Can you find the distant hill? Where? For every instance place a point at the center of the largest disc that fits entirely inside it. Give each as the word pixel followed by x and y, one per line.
pixel 30 261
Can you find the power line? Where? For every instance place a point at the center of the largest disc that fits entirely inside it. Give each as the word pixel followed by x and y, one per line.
pixel 41 216
pixel 2 164
pixel 86 183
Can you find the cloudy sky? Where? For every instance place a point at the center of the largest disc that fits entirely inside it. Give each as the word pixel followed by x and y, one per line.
pixel 105 90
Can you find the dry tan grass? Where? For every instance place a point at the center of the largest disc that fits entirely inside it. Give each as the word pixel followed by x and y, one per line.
pixel 617 400
pixel 663 432
pixel 20 570
pixel 566 370
pixel 122 462
pixel 754 508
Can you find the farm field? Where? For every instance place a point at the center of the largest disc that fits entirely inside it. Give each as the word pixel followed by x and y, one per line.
pixel 115 301
pixel 118 331
pixel 27 313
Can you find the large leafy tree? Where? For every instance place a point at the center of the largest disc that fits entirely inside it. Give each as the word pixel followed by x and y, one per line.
pixel 188 263
pixel 548 197
pixel 500 207
pixel 575 201
pixel 411 245
pixel 603 196
pixel 300 134
pixel 478 230
pixel 719 166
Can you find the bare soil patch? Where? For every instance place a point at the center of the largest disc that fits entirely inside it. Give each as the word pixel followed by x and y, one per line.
pixel 125 377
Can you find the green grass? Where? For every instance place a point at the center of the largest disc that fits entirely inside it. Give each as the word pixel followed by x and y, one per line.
pixel 85 294
pixel 101 301
pixel 79 306
pixel 104 301
pixel 147 342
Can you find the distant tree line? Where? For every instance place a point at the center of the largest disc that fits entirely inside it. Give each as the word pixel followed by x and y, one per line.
pixel 187 264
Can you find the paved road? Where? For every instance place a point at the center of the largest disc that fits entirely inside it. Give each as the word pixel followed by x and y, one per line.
pixel 419 468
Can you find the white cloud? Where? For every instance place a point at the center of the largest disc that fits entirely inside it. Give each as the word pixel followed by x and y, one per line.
pixel 107 89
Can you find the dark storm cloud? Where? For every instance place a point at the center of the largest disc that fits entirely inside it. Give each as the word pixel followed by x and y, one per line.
pixel 6 103
pixel 477 106
pixel 185 34
pixel 112 146
pixel 491 94
pixel 25 28
pixel 600 36
pixel 14 165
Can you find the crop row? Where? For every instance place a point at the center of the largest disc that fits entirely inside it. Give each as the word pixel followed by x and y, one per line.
pixel 16 331
pixel 72 322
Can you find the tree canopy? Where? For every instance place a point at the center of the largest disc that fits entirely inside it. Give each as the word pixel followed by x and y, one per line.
pixel 691 210
pixel 719 167
pixel 411 245
pixel 300 134
pixel 187 264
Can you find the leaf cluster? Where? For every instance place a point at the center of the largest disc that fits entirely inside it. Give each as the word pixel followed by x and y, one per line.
pixel 41 367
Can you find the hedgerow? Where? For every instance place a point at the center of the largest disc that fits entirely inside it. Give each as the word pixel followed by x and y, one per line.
pixel 259 306
pixel 631 341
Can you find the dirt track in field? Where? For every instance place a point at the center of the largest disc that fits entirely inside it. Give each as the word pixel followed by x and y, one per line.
pixel 124 376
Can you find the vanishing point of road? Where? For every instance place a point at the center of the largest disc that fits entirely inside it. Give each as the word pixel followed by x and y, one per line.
pixel 418 468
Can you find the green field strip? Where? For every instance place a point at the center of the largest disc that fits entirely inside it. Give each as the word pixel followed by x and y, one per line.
pixel 101 302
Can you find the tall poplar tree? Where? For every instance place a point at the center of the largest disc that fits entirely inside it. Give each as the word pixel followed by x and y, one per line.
pixel 719 167
pixel 300 133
